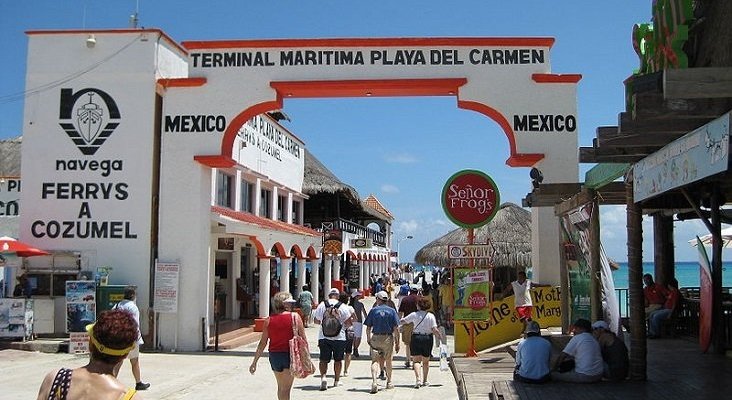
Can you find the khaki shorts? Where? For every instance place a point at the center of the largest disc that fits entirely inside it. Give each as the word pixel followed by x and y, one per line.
pixel 135 352
pixel 407 330
pixel 382 345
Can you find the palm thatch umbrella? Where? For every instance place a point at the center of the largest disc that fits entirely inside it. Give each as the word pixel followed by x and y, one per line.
pixel 509 232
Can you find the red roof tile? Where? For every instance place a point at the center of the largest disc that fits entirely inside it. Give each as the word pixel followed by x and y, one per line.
pixel 264 222
pixel 374 203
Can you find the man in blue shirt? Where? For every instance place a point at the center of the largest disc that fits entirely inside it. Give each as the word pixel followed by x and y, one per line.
pixel 533 356
pixel 382 330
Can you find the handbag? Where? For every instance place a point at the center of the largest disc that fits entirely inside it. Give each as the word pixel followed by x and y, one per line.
pixel 301 365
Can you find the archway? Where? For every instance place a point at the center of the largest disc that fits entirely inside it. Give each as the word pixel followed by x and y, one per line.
pixel 509 80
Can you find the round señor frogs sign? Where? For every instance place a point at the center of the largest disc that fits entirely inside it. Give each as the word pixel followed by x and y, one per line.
pixel 470 198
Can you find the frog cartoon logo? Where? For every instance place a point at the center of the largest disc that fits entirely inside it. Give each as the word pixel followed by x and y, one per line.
pixel 89 117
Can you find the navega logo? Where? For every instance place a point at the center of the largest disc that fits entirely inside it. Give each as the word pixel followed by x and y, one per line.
pixel 89 117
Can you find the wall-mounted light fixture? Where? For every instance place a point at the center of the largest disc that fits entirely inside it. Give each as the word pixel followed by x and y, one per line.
pixel 91 41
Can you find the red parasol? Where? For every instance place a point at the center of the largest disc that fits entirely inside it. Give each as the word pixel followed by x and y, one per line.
pixel 9 245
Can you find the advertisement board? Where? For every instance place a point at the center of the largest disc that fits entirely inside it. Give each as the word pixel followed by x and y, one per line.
pixel 472 294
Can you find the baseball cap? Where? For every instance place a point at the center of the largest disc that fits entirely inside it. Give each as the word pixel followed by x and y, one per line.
pixel 334 291
pixel 382 295
pixel 414 288
pixel 600 325
pixel 356 294
pixel 532 327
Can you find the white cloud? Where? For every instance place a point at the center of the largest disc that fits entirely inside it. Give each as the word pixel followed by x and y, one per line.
pixel 402 158
pixel 387 188
pixel 410 226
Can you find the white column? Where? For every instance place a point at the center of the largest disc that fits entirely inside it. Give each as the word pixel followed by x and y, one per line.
pixel 364 275
pixel 285 274
pixel 263 287
pixel 314 274
pixel 300 276
pixel 288 208
pixel 237 191
pixel 336 268
pixel 327 274
pixel 273 204
pixel 258 198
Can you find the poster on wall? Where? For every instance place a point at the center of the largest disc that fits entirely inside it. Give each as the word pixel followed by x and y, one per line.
pixel 166 287
pixel 471 293
pixel 81 310
pixel 576 236
pixel 15 320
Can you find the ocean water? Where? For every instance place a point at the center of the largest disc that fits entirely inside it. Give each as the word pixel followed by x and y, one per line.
pixel 687 273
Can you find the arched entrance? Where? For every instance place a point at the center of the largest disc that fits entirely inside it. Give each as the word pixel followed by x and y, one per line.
pixel 506 79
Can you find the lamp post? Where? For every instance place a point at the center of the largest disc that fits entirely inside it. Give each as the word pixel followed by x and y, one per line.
pixel 399 255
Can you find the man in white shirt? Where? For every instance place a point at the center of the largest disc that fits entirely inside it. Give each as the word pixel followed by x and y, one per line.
pixel 331 347
pixel 521 289
pixel 585 351
pixel 129 305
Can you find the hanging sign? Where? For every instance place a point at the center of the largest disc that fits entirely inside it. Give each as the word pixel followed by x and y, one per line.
pixel 470 198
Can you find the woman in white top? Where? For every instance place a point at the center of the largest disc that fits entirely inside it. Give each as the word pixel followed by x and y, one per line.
pixel 425 326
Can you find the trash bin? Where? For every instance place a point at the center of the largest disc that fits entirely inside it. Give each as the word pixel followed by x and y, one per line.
pixel 108 296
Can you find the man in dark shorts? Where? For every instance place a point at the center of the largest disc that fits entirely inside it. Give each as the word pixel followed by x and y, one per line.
pixel 331 347
pixel 382 330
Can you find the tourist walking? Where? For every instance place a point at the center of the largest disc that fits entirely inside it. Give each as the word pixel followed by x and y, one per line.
pixel 407 306
pixel 382 329
pixel 348 326
pixel 423 332
pixel 306 303
pixel 360 312
pixel 111 338
pixel 128 303
pixel 278 330
pixel 331 317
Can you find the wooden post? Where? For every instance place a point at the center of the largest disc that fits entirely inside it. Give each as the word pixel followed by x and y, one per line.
pixel 471 346
pixel 638 351
pixel 663 248
pixel 717 330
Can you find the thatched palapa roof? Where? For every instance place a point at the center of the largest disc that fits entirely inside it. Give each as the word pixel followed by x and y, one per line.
pixel 10 157
pixel 509 233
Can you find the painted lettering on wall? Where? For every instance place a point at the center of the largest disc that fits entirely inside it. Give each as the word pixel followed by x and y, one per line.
pixel 544 123
pixel 9 197
pixel 194 123
pixel 390 56
pixel 269 138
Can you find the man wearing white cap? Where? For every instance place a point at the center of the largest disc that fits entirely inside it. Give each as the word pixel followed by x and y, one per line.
pixel 332 336
pixel 382 330
pixel 533 356
pixel 614 353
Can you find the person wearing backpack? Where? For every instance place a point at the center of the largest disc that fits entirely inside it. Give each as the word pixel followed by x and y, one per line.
pixel 332 316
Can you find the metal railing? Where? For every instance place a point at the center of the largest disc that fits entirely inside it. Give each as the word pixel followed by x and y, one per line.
pixel 687 320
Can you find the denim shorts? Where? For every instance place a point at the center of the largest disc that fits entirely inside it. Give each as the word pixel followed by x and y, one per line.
pixel 279 361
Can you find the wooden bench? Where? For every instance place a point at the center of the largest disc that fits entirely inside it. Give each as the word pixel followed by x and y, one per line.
pixel 503 390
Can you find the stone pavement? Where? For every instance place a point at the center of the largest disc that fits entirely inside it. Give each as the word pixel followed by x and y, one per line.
pixel 224 375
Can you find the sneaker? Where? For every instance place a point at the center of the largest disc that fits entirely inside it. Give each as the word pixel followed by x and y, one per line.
pixel 142 386
pixel 337 383
pixel 406 364
pixel 389 385
pixel 345 373
pixel 323 384
pixel 417 385
pixel 374 388
pixel 425 383
pixel 382 376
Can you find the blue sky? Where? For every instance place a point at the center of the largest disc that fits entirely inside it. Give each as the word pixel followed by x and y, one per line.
pixel 400 149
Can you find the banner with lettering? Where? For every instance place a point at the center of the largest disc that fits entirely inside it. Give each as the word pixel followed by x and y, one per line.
pixel 472 292
pixel 576 235
pixel 503 325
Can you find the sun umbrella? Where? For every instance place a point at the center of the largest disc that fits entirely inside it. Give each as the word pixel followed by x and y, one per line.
pixel 707 239
pixel 9 245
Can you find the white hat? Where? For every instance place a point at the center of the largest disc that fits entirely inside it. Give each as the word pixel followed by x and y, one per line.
pixel 356 294
pixel 382 295
pixel 600 325
pixel 334 291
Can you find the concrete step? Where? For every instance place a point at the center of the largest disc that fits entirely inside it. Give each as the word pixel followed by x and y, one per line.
pixel 236 338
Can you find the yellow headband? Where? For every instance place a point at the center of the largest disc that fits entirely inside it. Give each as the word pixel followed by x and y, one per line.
pixel 104 349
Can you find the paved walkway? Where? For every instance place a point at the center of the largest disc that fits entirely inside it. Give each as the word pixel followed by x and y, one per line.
pixel 223 375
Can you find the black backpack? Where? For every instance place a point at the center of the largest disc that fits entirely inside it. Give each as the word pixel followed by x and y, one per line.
pixel 331 323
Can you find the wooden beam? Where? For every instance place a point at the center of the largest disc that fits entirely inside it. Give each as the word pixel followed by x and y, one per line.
pixel 697 83
pixel 614 154
pixel 629 125
pixel 585 196
pixel 654 139
pixel 652 105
